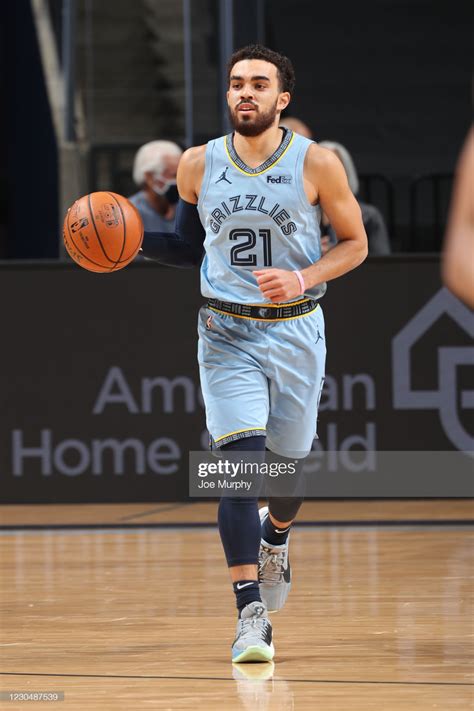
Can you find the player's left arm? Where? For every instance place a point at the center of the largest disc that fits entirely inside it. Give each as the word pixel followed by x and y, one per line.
pixel 327 177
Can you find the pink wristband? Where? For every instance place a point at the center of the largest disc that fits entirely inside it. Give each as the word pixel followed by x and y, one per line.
pixel 300 279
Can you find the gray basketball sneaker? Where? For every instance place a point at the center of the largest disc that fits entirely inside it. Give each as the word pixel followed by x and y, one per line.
pixel 253 639
pixel 274 572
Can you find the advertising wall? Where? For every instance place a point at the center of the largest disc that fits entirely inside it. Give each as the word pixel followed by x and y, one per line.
pixel 99 387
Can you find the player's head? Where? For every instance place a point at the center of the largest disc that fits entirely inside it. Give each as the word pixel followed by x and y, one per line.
pixel 155 167
pixel 260 85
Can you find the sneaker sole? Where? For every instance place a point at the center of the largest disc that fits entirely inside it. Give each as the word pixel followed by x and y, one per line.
pixel 254 654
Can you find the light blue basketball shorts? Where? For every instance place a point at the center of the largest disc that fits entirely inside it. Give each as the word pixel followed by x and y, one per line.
pixel 262 378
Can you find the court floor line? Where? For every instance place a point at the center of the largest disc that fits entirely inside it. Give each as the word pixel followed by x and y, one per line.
pixel 159 509
pixel 213 524
pixel 229 678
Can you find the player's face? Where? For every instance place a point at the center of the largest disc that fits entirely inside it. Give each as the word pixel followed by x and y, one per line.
pixel 254 97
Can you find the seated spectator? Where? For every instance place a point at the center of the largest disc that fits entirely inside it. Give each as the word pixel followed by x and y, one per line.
pixel 154 171
pixel 296 125
pixel 379 243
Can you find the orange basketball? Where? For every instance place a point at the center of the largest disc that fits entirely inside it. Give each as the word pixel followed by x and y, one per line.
pixel 103 232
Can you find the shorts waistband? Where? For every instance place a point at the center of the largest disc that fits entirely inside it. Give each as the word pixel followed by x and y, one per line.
pixel 264 312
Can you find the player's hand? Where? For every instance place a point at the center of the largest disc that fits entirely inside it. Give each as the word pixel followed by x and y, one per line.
pixel 278 284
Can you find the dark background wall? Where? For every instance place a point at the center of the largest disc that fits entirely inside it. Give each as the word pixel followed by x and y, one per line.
pixel 390 79
pixel 29 180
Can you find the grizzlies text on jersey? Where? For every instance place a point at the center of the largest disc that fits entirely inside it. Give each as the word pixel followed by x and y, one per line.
pixel 255 218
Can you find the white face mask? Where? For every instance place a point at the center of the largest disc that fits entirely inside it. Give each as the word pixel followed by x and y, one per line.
pixel 166 185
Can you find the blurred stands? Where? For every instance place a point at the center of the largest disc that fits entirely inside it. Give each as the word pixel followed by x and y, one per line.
pixel 400 104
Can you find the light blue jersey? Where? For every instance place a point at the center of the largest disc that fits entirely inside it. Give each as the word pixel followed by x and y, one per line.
pixel 255 218
pixel 259 377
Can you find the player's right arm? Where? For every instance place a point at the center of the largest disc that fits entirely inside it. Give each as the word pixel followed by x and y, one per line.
pixel 183 248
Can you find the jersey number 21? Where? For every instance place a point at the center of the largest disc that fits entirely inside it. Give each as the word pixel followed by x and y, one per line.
pixel 241 255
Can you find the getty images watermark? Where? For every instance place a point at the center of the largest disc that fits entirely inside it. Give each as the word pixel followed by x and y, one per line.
pixel 239 473
pixel 15 696
pixel 354 474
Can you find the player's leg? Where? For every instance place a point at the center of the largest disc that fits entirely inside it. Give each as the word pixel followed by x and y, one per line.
pixel 276 519
pixel 234 386
pixel 235 391
pixel 282 512
pixel 285 498
pixel 239 528
pixel 297 378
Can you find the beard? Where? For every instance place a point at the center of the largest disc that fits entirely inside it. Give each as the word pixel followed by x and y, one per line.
pixel 252 124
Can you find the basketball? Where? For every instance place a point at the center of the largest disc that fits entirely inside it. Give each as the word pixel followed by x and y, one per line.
pixel 103 232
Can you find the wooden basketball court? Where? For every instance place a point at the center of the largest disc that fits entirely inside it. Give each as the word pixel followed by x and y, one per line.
pixel 130 607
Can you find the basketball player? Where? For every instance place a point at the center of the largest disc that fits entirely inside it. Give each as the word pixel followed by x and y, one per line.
pixel 250 199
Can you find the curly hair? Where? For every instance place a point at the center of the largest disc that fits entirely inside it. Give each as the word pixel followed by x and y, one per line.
pixel 286 73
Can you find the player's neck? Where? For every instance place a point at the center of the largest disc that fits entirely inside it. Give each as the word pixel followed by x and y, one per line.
pixel 254 150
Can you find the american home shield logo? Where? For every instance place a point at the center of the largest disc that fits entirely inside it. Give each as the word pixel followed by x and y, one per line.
pixel 447 399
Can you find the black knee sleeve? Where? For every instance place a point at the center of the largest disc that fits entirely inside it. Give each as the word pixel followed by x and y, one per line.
pixel 285 508
pixel 238 519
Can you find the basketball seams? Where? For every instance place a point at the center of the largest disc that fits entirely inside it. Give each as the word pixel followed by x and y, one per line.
pixel 89 202
pixel 124 238
pixel 102 266
pixel 132 256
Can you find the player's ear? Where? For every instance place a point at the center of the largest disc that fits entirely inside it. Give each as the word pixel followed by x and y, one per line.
pixel 283 100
